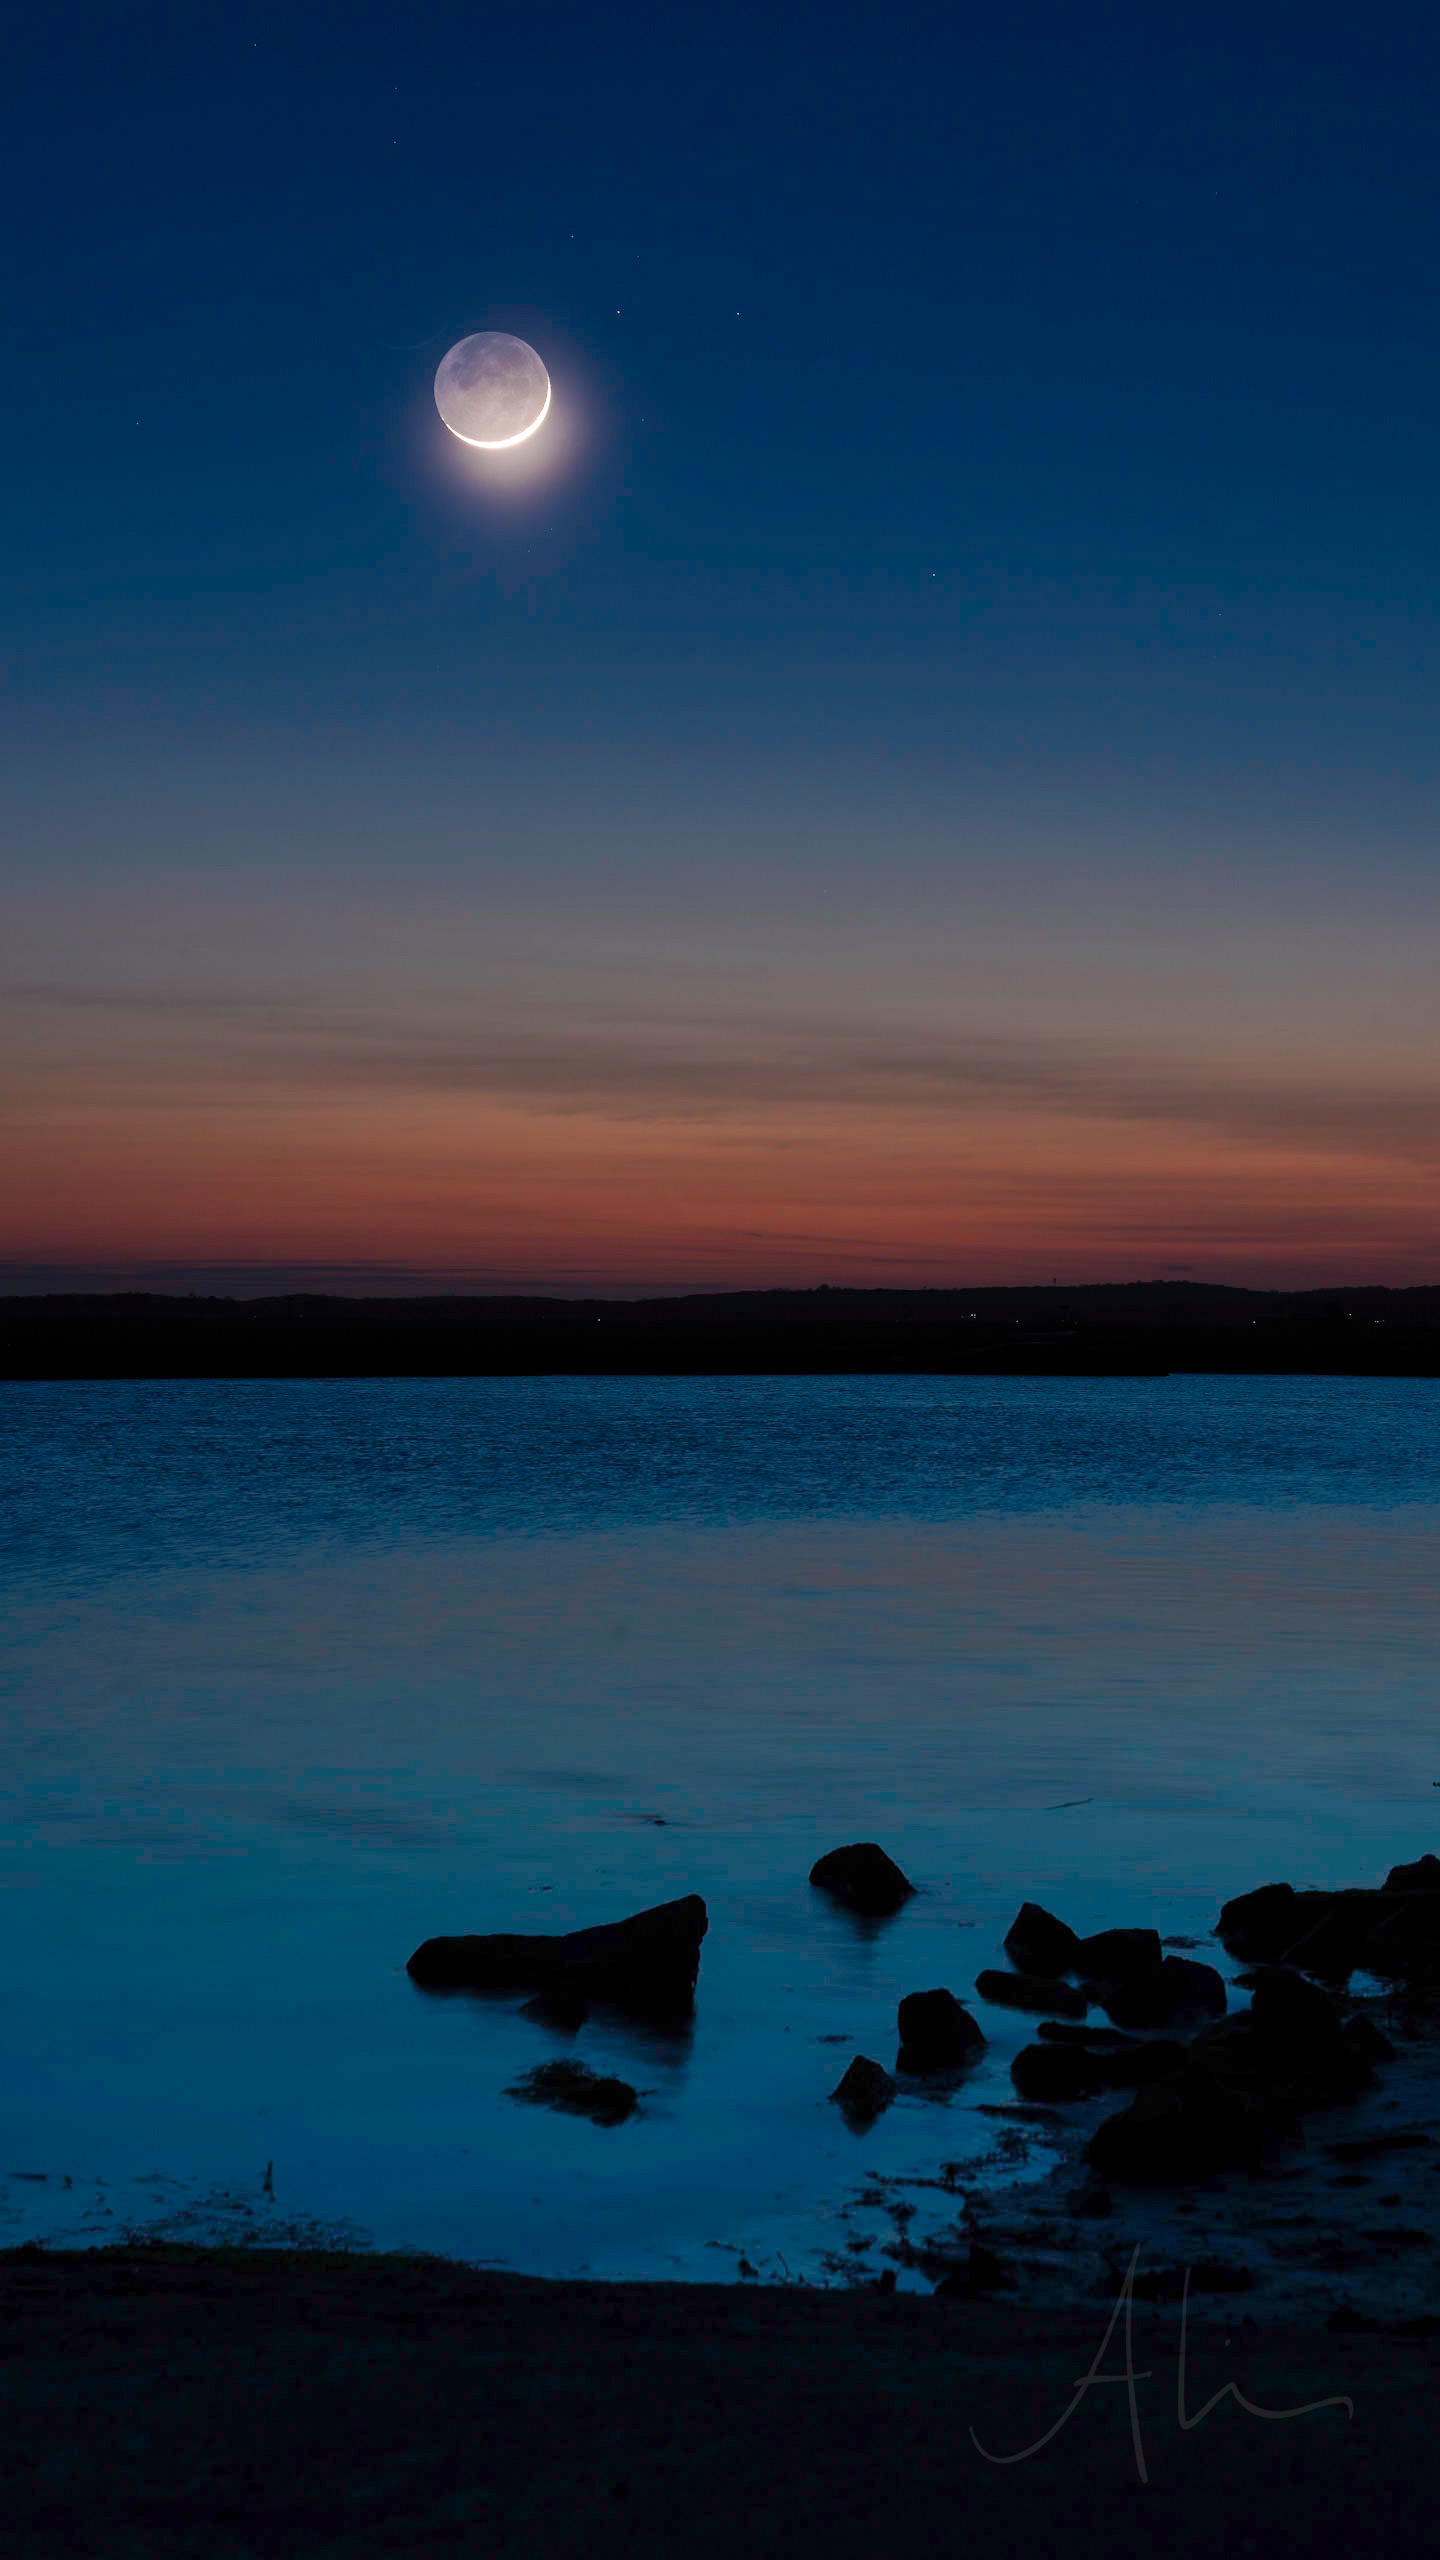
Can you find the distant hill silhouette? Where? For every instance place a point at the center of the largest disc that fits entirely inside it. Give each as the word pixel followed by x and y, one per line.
pixel 1134 1327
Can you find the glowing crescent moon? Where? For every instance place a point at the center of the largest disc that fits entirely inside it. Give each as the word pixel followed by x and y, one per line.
pixel 492 391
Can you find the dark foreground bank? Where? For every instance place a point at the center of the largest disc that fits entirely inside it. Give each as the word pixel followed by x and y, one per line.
pixel 1139 1328
pixel 274 2405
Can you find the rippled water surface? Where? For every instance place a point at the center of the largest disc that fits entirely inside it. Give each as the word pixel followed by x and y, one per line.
pixel 296 1674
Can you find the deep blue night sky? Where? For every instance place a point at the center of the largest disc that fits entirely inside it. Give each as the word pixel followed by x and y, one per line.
pixel 955 714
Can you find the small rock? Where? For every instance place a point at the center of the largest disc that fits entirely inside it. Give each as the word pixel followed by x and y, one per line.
pixel 1422 1876
pixel 1177 2130
pixel 1181 1989
pixel 573 2089
pixel 1119 1955
pixel 1324 1933
pixel 1031 1991
pixel 936 2032
pixel 1290 2009
pixel 864 2092
pixel 863 1878
pixel 1259 1926
pixel 1039 1943
pixel 1057 2072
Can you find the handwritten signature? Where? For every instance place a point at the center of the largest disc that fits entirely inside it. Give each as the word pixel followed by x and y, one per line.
pixel 1187 2419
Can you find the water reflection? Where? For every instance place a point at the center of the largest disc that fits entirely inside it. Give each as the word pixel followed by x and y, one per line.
pixel 324 1666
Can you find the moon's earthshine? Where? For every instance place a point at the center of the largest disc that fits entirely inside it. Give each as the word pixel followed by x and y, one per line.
pixel 492 390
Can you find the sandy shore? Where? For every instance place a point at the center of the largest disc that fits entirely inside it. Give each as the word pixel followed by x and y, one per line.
pixel 276 2403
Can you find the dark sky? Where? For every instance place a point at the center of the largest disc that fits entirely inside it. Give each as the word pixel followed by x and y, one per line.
pixel 931 768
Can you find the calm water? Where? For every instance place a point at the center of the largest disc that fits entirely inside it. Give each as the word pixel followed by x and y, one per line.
pixel 296 1674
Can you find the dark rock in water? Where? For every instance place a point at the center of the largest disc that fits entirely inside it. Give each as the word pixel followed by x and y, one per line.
pixel 936 2032
pixel 1290 2053
pixel 1057 2072
pixel 1291 2009
pixel 575 2090
pixel 560 2008
pixel 1181 1989
pixel 1185 2127
pixel 1119 1955
pixel 1336 1931
pixel 1031 1991
pixel 863 1878
pixel 1423 1876
pixel 1405 1941
pixel 647 1962
pixel 1259 1926
pixel 1039 1943
pixel 1325 1932
pixel 865 2091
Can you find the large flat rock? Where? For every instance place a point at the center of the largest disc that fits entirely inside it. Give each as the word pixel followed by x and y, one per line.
pixel 650 1960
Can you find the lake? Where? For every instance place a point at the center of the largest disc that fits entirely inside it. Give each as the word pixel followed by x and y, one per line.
pixel 299 1673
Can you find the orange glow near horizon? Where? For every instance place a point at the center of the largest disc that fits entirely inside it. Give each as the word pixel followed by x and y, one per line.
pixel 790 1195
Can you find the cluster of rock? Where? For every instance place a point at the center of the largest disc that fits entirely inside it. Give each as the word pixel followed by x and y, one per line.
pixel 1213 2096
pixel 1207 2090
pixel 936 2032
pixel 1393 1930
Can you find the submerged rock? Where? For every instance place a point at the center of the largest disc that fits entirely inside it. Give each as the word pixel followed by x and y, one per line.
pixel 863 1878
pixel 1039 1943
pixel 936 2032
pixel 864 2092
pixel 1034 1991
pixel 649 1961
pixel 1181 1989
pixel 573 2089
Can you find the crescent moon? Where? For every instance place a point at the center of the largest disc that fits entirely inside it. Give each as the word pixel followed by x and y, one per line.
pixel 492 391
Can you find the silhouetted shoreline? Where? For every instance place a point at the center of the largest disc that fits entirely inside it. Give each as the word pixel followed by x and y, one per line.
pixel 1142 1328
pixel 230 2403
